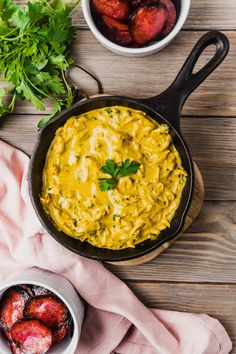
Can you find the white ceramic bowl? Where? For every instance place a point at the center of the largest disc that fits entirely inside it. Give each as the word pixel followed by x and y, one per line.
pixel 136 52
pixel 65 291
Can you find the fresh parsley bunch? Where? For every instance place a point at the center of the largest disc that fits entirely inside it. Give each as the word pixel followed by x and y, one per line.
pixel 126 168
pixel 35 45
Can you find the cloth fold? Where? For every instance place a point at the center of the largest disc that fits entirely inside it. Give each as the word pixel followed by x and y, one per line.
pixel 116 321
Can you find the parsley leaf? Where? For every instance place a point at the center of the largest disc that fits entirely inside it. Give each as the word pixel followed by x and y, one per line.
pixel 110 168
pixel 20 18
pixel 105 184
pixel 35 11
pixel 126 168
pixel 56 108
pixel 35 43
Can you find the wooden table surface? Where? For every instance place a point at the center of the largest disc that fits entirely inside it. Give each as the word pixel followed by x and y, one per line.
pixel 198 273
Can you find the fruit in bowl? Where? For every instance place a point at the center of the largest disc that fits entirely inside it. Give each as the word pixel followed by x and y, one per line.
pixel 33 319
pixel 134 23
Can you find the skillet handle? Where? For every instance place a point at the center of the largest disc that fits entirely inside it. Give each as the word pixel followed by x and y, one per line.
pixel 170 102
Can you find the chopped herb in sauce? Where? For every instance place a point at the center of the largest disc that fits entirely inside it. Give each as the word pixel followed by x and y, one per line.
pixel 108 110
pixel 114 216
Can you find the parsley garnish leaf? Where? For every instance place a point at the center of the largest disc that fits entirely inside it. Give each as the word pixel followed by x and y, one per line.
pixel 126 168
pixel 106 184
pixel 110 168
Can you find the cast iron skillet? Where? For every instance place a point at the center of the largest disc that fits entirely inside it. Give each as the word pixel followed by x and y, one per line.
pixel 164 108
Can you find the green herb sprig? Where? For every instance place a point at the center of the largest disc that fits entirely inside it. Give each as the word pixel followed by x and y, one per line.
pixel 35 45
pixel 126 168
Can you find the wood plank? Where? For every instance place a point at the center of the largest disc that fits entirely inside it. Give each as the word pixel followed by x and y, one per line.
pixel 204 14
pixel 205 253
pixel 206 138
pixel 216 160
pixel 208 14
pixel 216 300
pixel 151 75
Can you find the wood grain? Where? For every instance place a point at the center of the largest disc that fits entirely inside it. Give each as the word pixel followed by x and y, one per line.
pixel 204 14
pixel 208 14
pixel 215 157
pixel 198 273
pixel 205 253
pixel 151 75
pixel 215 300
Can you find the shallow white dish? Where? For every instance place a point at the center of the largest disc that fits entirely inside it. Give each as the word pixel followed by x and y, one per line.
pixel 136 52
pixel 65 291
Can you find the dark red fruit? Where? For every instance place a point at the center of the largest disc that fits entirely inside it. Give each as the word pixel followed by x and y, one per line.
pixel 117 9
pixel 123 38
pixel 39 290
pixel 171 20
pixel 27 288
pixel 114 24
pixel 12 307
pixel 137 3
pixel 15 349
pixel 31 336
pixel 147 23
pixel 116 31
pixel 47 308
pixel 13 346
pixel 8 336
pixel 60 333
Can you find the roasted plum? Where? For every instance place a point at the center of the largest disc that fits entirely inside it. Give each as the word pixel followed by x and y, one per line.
pixel 15 349
pixel 147 23
pixel 171 20
pixel 39 290
pixel 117 9
pixel 12 307
pixel 31 336
pixel 137 3
pixel 114 24
pixel 117 31
pixel 47 308
pixel 61 332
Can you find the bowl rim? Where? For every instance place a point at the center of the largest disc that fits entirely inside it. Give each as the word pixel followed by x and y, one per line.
pixel 184 11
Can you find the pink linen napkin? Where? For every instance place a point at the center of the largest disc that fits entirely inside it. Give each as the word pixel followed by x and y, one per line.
pixel 116 321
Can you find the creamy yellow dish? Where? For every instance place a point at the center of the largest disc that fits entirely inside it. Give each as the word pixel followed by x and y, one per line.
pixel 140 205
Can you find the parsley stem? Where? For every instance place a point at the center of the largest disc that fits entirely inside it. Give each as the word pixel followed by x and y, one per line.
pixel 12 104
pixel 65 81
pixel 13 39
pixel 13 52
pixel 7 37
pixel 35 87
pixel 74 6
pixel 47 3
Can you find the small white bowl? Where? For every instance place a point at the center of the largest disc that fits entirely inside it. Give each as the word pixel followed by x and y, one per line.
pixel 65 291
pixel 136 52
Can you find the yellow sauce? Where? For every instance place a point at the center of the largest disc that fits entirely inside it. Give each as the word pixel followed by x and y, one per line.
pixel 140 206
